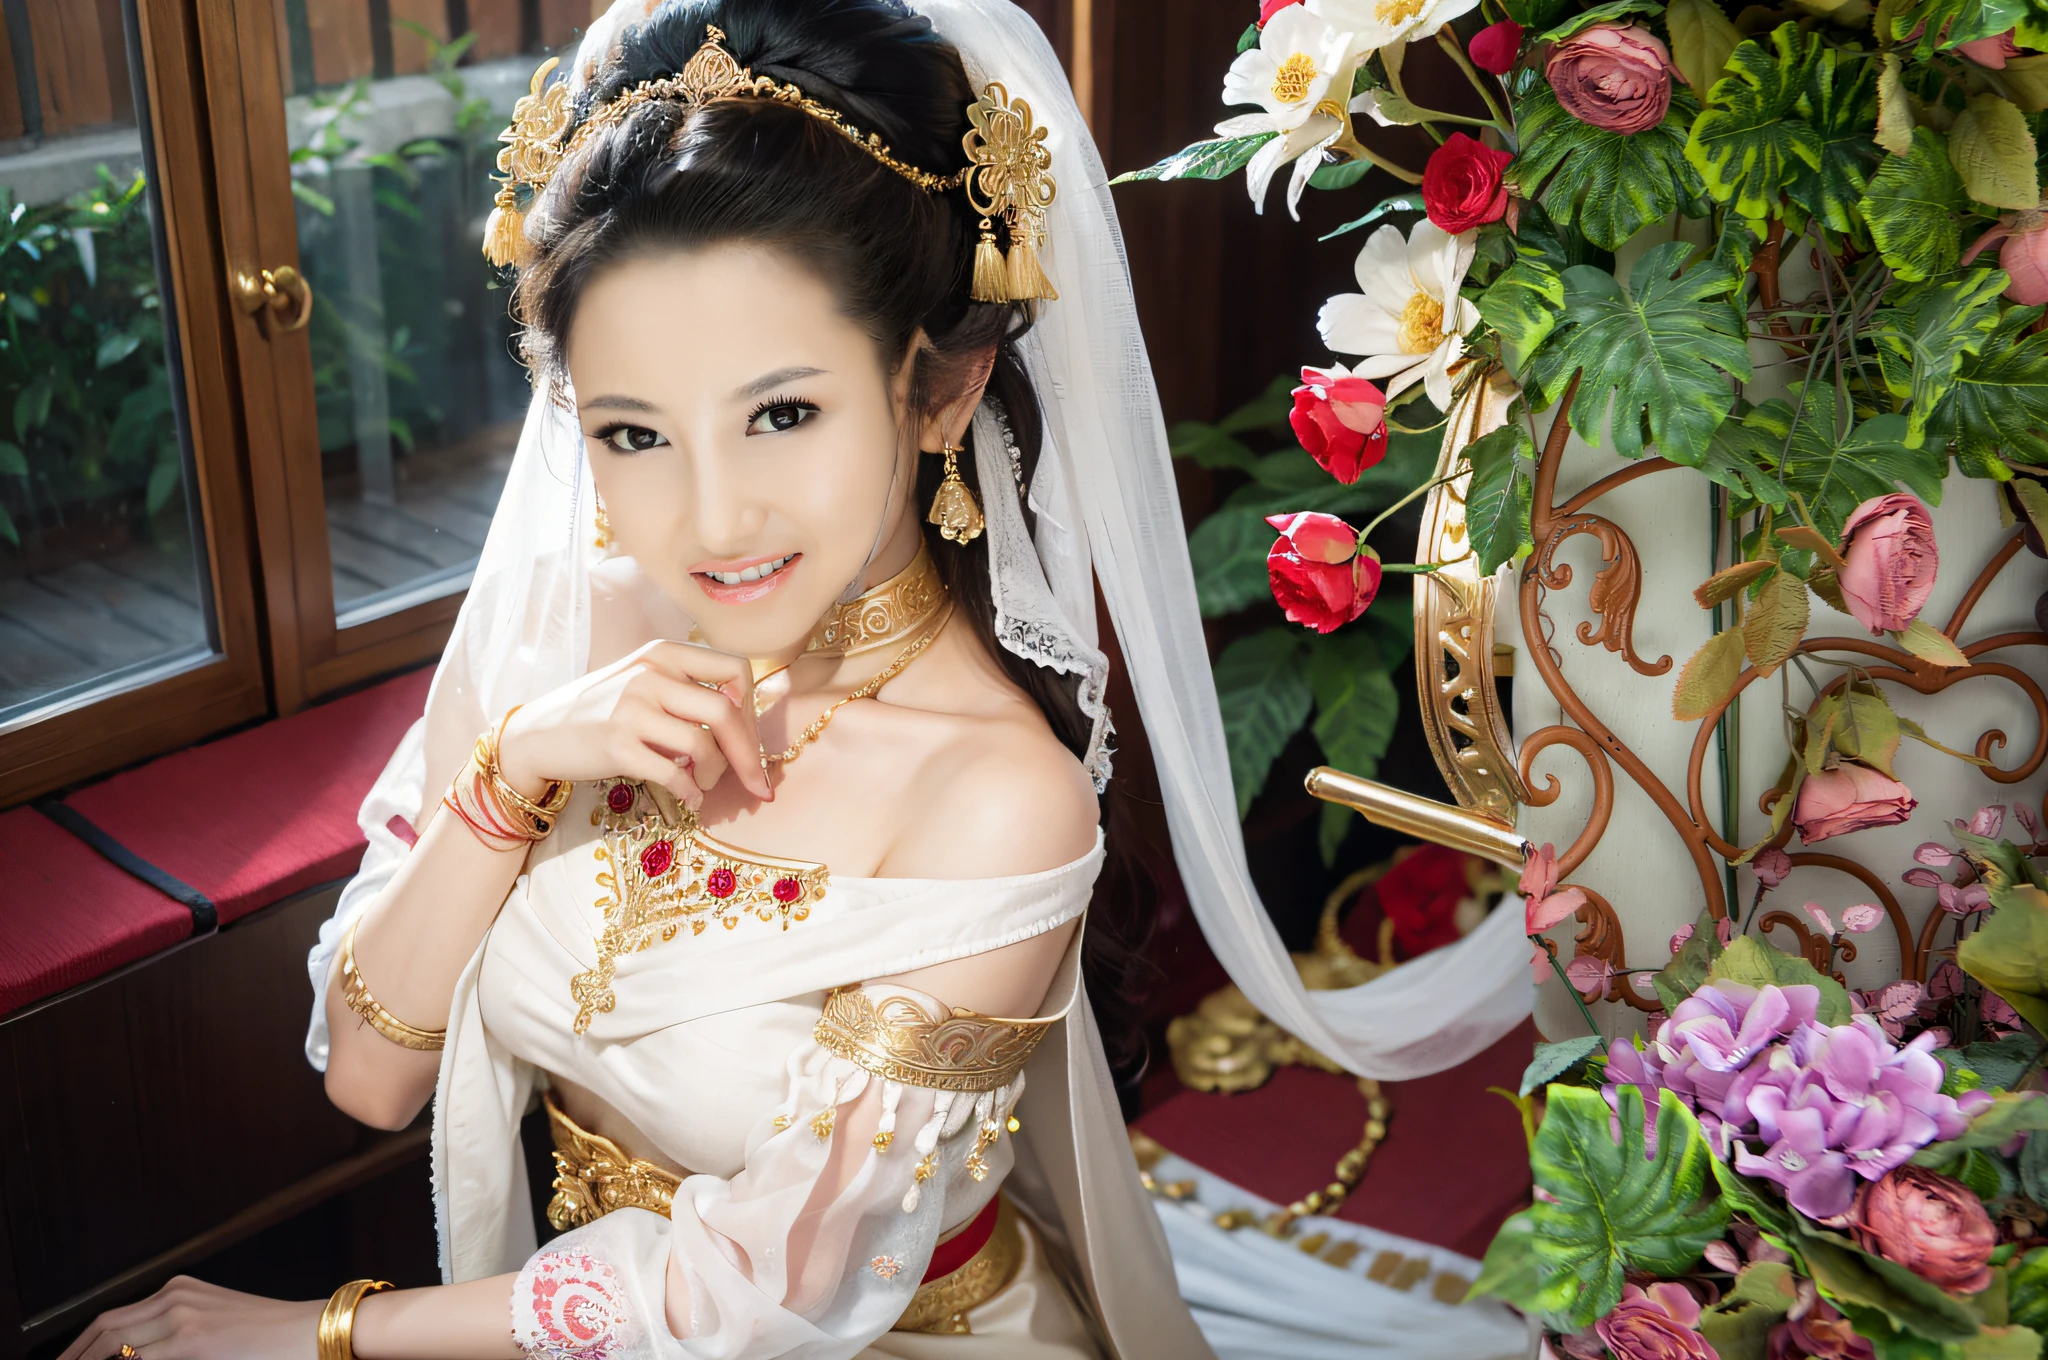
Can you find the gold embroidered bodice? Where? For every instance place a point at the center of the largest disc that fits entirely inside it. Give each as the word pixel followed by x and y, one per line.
pixel 594 1175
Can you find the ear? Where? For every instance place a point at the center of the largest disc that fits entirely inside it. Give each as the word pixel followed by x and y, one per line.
pixel 948 424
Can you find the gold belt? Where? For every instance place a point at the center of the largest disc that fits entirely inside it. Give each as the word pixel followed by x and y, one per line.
pixel 594 1175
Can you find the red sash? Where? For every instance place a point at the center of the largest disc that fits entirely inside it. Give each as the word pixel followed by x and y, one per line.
pixel 962 1247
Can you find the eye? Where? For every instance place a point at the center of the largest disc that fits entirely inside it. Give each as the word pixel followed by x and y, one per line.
pixel 629 438
pixel 778 415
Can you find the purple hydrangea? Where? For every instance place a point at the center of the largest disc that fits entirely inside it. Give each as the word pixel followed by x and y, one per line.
pixel 1826 1103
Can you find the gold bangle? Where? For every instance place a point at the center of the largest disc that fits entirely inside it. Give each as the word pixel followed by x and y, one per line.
pixel 355 994
pixel 539 817
pixel 338 1319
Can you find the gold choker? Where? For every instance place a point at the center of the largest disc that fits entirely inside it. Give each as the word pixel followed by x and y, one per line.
pixel 889 613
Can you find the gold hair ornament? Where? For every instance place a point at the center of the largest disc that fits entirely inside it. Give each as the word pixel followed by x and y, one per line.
pixel 1009 176
pixel 534 148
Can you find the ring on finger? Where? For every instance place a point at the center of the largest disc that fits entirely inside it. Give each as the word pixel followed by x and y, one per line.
pixel 127 1352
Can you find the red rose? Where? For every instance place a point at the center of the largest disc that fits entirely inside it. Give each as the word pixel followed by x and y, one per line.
pixel 1616 77
pixel 1341 421
pixel 1269 8
pixel 1462 186
pixel 1322 576
pixel 1931 1225
pixel 1420 895
pixel 1849 798
pixel 1494 47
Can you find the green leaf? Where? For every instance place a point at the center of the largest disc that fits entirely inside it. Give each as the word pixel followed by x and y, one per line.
pixel 1999 1062
pixel 114 348
pixel 1228 551
pixel 1934 25
pixel 1738 457
pixel 1358 705
pixel 32 405
pixel 1997 407
pixel 1613 185
pixel 1536 15
pixel 1399 203
pixel 1840 105
pixel 2009 952
pixel 1752 963
pixel 7 529
pixel 1218 159
pixel 1911 207
pixel 1264 694
pixel 1867 729
pixel 1921 345
pixel 1688 969
pixel 1524 306
pixel 1248 39
pixel 2003 1343
pixel 1751 136
pixel 2027 1285
pixel 1552 1061
pixel 2009 1115
pixel 1849 1275
pixel 12 462
pixel 1268 410
pixel 1340 174
pixel 1209 446
pixel 1613 1208
pixel 163 480
pixel 1665 350
pixel 1702 39
pixel 1834 472
pixel 1497 501
pixel 1599 14
pixel 1992 151
pixel 1894 108
pixel 1739 1326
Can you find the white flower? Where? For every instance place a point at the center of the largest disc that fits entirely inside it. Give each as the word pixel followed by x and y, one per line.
pixel 1289 72
pixel 1409 322
pixel 1381 23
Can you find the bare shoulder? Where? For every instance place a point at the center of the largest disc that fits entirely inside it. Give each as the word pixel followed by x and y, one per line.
pixel 1000 796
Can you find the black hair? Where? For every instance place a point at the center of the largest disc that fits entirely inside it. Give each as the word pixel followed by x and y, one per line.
pixel 897 257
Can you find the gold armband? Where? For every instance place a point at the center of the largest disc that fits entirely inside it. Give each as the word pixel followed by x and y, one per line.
pixel 338 1319
pixel 898 1040
pixel 356 996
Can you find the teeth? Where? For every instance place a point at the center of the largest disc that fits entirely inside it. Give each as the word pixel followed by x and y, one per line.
pixel 733 578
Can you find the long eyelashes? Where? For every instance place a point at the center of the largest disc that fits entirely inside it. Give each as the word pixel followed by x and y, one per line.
pixel 636 438
pixel 779 414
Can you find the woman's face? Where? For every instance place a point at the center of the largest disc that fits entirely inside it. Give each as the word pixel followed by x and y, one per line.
pixel 746 438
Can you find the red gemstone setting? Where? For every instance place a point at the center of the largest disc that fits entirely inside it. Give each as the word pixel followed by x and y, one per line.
pixel 788 889
pixel 721 882
pixel 658 858
pixel 620 798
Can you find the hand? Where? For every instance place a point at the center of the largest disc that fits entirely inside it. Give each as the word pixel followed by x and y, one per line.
pixel 672 713
pixel 189 1320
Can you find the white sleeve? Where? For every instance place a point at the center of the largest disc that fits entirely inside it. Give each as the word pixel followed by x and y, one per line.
pixel 715 1280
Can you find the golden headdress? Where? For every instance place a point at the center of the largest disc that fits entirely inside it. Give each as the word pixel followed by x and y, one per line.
pixel 1008 175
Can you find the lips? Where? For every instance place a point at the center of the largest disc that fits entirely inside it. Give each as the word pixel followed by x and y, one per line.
pixel 740 584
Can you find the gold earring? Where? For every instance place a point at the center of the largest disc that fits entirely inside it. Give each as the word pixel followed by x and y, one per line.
pixel 953 507
pixel 603 542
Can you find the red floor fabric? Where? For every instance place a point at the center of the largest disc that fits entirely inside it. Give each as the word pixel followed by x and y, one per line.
pixel 67 915
pixel 255 817
pixel 1454 1162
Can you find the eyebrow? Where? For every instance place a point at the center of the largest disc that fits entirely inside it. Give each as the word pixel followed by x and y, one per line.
pixel 620 403
pixel 768 382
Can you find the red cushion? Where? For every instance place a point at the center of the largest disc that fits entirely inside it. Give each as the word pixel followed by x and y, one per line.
pixel 255 817
pixel 67 915
pixel 1454 1162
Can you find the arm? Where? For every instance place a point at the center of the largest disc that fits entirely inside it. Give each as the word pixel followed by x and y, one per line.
pixel 670 713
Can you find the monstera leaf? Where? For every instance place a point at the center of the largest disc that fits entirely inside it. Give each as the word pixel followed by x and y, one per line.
pixel 1998 405
pixel 1664 349
pixel 1840 106
pixel 1911 207
pixel 1524 306
pixel 1613 185
pixel 1611 1208
pixel 1922 344
pixel 1833 465
pixel 1752 137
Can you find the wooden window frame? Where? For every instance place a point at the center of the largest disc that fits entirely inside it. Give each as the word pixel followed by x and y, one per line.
pixel 96 734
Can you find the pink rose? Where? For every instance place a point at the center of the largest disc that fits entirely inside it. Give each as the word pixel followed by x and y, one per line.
pixel 1993 52
pixel 1659 1323
pixel 1616 77
pixel 1822 1333
pixel 1888 545
pixel 1849 798
pixel 1933 1226
pixel 1321 575
pixel 1341 421
pixel 1771 865
pixel 1494 47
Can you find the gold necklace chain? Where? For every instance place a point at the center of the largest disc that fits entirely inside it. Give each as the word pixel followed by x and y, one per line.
pixel 866 691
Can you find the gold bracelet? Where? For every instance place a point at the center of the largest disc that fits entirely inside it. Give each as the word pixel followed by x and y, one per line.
pixel 355 994
pixel 539 818
pixel 338 1319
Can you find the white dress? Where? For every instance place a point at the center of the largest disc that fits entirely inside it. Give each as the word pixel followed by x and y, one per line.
pixel 705 1041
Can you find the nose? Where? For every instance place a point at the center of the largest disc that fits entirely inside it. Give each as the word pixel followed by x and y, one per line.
pixel 725 505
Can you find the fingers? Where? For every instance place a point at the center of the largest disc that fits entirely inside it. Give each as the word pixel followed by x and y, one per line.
pixel 731 675
pixel 681 739
pixel 137 1325
pixel 733 726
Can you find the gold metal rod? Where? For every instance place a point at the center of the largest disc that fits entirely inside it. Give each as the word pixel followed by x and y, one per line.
pixel 1424 818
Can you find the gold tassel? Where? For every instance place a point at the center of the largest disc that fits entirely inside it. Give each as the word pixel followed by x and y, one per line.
pixel 1026 276
pixel 505 229
pixel 990 284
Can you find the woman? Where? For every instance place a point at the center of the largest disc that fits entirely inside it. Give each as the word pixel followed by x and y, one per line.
pixel 767 770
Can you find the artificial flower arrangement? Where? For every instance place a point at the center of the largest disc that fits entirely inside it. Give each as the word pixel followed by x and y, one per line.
pixel 1613 222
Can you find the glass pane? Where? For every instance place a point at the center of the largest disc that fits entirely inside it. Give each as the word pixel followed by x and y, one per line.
pixel 103 578
pixel 393 134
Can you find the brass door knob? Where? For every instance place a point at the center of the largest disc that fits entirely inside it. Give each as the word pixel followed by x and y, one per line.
pixel 283 292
